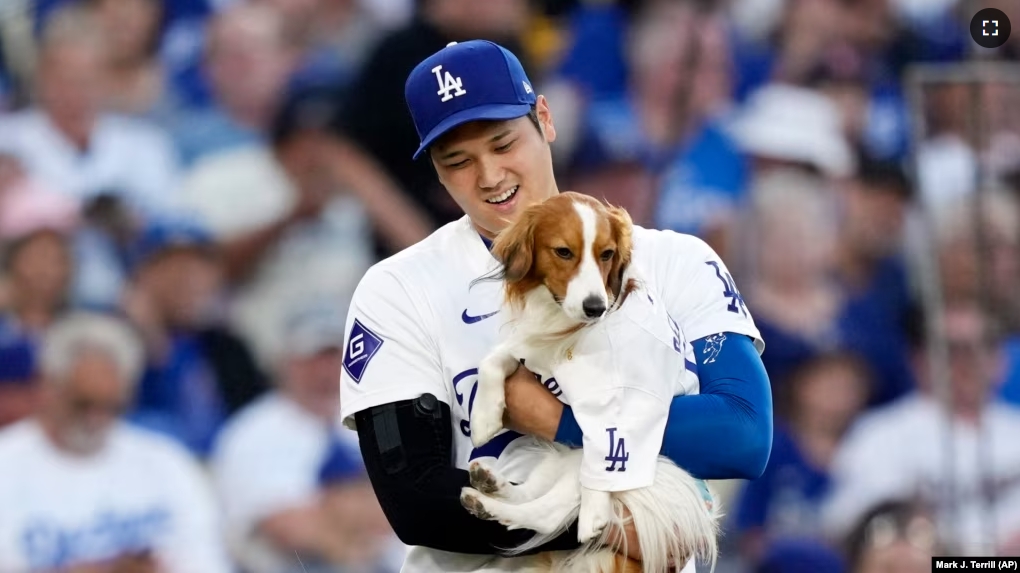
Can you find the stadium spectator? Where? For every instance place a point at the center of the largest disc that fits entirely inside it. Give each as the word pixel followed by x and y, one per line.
pixel 69 144
pixel 897 536
pixel 784 126
pixel 791 236
pixel 906 439
pixel 814 409
pixel 991 278
pixel 872 273
pixel 332 36
pixel 137 82
pixel 654 147
pixel 248 61
pixel 38 263
pixel 83 491
pixel 197 371
pixel 312 202
pixel 289 477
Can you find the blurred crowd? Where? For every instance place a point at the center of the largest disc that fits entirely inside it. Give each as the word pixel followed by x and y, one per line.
pixel 190 190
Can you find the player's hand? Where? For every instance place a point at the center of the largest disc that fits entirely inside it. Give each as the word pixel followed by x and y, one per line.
pixel 530 407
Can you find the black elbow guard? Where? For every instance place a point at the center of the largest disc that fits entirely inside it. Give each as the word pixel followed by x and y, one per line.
pixel 406 446
pixel 408 452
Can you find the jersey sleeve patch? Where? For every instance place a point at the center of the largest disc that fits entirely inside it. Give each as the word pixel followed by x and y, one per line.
pixel 362 345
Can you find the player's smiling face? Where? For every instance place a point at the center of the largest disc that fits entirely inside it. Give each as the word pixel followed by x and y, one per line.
pixel 496 169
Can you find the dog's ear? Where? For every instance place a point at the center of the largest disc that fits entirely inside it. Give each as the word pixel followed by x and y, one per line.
pixel 514 248
pixel 623 231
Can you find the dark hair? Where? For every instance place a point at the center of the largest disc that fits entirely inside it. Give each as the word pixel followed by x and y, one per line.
pixel 885 175
pixel 307 108
pixel 786 393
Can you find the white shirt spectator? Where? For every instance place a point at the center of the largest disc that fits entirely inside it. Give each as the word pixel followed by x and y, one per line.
pixel 140 493
pixel 899 451
pixel 267 460
pixel 126 157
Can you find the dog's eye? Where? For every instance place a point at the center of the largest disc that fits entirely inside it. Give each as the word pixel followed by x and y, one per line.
pixel 608 254
pixel 563 253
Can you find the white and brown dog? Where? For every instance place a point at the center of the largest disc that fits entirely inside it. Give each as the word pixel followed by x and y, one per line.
pixel 567 272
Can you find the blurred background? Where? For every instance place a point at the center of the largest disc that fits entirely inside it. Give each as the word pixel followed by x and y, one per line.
pixel 192 189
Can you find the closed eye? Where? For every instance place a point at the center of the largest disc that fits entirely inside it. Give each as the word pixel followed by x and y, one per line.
pixel 563 253
pixel 505 147
pixel 607 254
pixel 457 165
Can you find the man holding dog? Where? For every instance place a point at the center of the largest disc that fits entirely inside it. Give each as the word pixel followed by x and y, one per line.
pixel 418 326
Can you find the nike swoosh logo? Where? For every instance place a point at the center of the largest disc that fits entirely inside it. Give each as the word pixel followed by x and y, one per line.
pixel 473 319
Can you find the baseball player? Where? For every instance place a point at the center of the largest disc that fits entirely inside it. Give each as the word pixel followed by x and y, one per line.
pixel 420 323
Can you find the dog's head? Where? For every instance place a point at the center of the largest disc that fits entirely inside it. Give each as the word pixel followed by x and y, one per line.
pixel 573 245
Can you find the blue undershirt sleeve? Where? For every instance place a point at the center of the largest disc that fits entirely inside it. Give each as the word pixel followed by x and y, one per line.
pixel 725 432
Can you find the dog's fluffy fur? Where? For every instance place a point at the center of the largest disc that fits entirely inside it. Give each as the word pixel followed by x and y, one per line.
pixel 563 261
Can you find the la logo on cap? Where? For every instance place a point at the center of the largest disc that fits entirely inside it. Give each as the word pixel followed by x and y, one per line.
pixel 448 83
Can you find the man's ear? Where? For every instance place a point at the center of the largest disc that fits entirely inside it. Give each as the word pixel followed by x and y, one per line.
pixel 545 119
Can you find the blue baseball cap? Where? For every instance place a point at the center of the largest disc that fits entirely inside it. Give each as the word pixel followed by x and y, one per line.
pixel 165 234
pixel 466 81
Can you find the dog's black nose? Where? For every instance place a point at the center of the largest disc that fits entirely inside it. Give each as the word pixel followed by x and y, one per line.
pixel 593 307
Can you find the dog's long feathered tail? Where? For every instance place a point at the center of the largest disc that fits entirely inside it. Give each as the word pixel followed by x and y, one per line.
pixel 672 520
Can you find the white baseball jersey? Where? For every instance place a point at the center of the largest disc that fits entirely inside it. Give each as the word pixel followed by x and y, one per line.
pixel 142 492
pixel 417 325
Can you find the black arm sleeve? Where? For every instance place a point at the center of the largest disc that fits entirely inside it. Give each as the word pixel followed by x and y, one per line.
pixel 408 452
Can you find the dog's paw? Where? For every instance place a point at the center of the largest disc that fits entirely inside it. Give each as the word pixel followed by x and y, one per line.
pixel 474 502
pixel 595 513
pixel 590 529
pixel 486 419
pixel 485 479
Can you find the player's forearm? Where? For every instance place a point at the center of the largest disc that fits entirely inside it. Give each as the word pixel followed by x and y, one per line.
pixel 408 455
pixel 725 432
pixel 243 253
pixel 400 222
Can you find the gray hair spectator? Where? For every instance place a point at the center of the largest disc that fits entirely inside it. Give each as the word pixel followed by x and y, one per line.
pixel 790 241
pixel 80 488
pixel 289 477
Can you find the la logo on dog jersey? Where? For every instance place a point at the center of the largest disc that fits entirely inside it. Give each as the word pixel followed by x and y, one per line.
pixel 448 83
pixel 617 452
